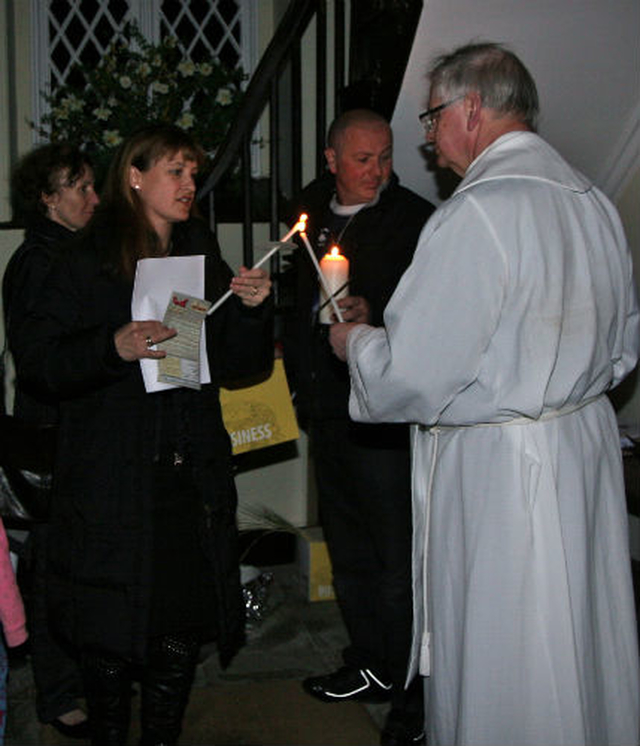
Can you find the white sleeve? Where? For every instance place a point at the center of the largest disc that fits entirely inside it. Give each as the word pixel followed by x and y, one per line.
pixel 437 324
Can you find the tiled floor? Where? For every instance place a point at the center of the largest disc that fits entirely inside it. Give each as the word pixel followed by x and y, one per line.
pixel 258 699
pixel 295 639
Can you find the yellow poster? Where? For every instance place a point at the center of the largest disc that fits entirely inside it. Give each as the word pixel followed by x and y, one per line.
pixel 261 415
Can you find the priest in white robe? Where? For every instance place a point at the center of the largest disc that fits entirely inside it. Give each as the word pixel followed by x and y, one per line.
pixel 515 318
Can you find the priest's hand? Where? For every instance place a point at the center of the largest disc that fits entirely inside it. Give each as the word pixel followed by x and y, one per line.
pixel 338 334
pixel 355 308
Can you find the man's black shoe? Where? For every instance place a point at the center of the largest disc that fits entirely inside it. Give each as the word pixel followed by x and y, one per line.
pixel 401 730
pixel 359 684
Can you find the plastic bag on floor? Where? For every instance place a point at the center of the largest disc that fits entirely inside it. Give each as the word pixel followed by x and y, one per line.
pixel 255 591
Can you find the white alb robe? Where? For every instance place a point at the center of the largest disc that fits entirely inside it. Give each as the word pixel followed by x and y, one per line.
pixel 517 313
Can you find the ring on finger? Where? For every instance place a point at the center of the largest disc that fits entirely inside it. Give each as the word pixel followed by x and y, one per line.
pixel 149 342
pixel 254 290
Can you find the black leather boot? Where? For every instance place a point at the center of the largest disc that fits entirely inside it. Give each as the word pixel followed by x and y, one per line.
pixel 107 683
pixel 165 685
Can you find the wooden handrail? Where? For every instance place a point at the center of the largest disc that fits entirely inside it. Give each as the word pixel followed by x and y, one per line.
pixel 289 31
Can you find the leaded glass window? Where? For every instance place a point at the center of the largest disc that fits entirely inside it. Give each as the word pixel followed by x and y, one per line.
pixel 66 32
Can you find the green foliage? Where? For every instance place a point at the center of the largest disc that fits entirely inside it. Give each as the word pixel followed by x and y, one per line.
pixel 137 83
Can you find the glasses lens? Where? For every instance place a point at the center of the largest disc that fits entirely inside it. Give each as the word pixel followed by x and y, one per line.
pixel 426 120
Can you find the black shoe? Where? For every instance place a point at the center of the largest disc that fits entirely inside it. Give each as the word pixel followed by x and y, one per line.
pixel 399 730
pixel 79 730
pixel 359 684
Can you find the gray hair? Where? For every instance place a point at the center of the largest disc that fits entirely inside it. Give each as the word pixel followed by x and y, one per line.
pixel 493 71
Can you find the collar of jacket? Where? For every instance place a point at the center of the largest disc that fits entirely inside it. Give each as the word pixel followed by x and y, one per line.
pixel 47 231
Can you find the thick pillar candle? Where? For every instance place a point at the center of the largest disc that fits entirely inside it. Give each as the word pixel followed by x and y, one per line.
pixel 335 270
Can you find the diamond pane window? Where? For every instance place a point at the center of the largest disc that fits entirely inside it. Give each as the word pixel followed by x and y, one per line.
pixel 203 27
pixel 67 32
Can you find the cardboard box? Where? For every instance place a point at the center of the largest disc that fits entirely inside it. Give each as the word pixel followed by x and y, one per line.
pixel 314 565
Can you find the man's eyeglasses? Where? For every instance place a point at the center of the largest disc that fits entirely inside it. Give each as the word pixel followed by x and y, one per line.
pixel 429 118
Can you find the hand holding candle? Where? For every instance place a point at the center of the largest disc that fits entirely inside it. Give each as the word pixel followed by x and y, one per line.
pixel 299 226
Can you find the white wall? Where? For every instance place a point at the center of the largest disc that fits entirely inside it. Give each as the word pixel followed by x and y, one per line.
pixel 628 205
pixel 583 55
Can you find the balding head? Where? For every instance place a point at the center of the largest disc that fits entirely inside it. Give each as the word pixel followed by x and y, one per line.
pixel 359 154
pixel 362 118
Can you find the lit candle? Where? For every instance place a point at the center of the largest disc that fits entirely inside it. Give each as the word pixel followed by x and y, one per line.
pixel 299 226
pixel 335 270
pixel 321 277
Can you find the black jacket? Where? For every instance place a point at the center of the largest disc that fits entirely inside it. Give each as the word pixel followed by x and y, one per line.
pixel 21 290
pixel 112 432
pixel 379 243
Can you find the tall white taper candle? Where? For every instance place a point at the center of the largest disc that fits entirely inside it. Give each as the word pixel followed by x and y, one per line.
pixel 299 226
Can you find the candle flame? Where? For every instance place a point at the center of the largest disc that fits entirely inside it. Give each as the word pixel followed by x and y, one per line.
pixel 301 225
pixel 335 251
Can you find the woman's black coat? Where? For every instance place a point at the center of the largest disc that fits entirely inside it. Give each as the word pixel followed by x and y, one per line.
pixel 21 290
pixel 101 537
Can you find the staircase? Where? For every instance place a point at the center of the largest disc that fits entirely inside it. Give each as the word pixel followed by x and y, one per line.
pixel 380 41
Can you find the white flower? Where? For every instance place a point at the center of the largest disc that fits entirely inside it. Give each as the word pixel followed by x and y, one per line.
pixel 144 69
pixel 72 103
pixel 204 68
pixel 186 68
pixel 61 112
pixel 111 138
pixel 159 87
pixel 112 101
pixel 102 113
pixel 157 60
pixel 224 97
pixel 171 41
pixel 186 120
pixel 125 81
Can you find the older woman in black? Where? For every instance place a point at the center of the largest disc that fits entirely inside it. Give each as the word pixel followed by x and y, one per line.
pixel 144 564
pixel 53 196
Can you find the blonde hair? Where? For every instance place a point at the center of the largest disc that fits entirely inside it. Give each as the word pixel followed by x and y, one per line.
pixel 134 237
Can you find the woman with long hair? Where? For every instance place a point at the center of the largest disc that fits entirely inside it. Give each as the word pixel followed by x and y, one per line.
pixel 143 558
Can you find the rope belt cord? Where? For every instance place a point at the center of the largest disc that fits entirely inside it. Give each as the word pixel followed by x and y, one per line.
pixel 552 414
pixel 434 431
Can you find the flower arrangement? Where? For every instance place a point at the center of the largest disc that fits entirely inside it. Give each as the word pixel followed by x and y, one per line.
pixel 137 82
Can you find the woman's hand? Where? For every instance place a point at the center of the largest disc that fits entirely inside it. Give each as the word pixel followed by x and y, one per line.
pixel 135 340
pixel 252 286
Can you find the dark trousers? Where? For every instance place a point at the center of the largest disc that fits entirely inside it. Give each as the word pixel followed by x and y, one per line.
pixel 363 475
pixel 56 672
pixel 166 677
